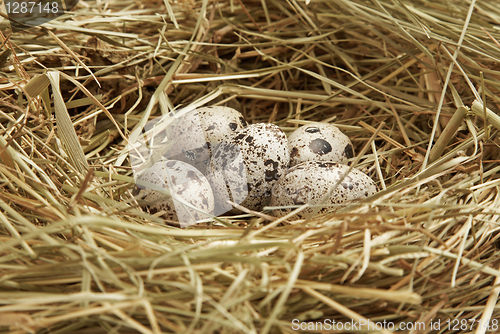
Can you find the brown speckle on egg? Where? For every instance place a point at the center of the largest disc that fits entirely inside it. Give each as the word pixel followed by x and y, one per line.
pixel 320 146
pixel 349 151
pixel 311 129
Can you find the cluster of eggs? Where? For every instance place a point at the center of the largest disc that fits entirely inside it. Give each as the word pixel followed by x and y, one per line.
pixel 217 160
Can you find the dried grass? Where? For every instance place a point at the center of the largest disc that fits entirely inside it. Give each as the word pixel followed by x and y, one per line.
pixel 79 256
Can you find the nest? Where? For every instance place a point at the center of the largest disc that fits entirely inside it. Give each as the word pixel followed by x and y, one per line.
pixel 415 84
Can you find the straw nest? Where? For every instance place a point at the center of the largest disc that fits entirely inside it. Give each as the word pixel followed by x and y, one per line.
pixel 415 84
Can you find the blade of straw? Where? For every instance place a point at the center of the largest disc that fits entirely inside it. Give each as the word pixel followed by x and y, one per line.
pixel 448 133
pixel 65 127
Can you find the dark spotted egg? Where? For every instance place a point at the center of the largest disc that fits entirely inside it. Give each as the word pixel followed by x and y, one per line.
pixel 310 182
pixel 245 168
pixel 186 185
pixel 194 134
pixel 319 142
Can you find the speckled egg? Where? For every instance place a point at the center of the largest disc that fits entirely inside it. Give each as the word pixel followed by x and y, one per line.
pixel 244 169
pixel 310 182
pixel 195 133
pixel 319 142
pixel 185 182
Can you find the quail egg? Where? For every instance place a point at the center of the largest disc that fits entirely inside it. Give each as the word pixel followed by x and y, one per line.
pixel 185 183
pixel 244 169
pixel 311 181
pixel 319 142
pixel 194 134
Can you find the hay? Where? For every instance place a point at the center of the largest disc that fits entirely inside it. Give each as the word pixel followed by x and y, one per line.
pixel 79 256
